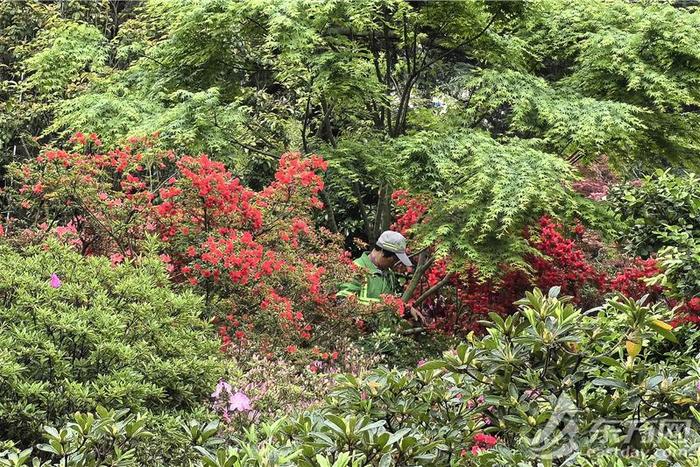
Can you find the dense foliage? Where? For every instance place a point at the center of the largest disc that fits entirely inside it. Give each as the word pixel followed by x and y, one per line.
pixel 77 332
pixel 359 81
pixel 527 390
pixel 661 213
pixel 183 186
pixel 524 391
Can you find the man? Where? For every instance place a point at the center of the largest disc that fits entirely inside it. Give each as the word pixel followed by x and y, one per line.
pixel 376 266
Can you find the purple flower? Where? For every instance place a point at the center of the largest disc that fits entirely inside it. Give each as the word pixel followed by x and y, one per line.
pixel 223 386
pixel 240 402
pixel 697 386
pixel 55 282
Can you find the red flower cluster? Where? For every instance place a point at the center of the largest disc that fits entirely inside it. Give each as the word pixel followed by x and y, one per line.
pixel 80 138
pixel 396 303
pixel 413 210
pixel 630 281
pixel 692 312
pixel 297 182
pixel 562 263
pixel 226 236
pixel 688 312
pixel 471 297
pixel 483 442
pixel 99 200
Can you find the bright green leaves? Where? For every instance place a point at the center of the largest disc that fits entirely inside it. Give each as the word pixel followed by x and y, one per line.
pixel 489 191
pixel 637 53
pixel 563 119
pixel 106 438
pixel 111 335
pixel 65 52
pixel 640 319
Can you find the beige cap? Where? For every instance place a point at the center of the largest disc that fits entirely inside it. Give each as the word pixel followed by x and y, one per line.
pixel 396 243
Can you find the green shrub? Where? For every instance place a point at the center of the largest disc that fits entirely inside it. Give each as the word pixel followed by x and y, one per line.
pixel 404 348
pixel 541 384
pixel 655 209
pixel 116 336
pixel 661 216
pixel 680 265
pixel 547 385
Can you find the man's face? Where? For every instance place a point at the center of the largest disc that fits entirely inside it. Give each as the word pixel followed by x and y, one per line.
pixel 385 262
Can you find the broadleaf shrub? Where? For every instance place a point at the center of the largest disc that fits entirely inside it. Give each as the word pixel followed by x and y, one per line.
pixel 656 208
pixel 549 382
pixel 661 218
pixel 96 334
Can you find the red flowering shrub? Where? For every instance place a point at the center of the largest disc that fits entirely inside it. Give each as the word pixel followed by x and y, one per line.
pixel 687 312
pixel 562 260
pixel 412 210
pixel 258 252
pixel 469 297
pixel 483 442
pixel 691 313
pixel 265 271
pixel 630 281
pixel 97 202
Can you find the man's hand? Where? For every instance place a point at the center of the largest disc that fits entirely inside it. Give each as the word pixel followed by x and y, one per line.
pixel 416 314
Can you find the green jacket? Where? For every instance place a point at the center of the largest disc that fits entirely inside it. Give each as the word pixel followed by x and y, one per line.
pixel 373 283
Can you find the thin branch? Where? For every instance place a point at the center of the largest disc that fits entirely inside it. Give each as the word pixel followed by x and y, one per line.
pixel 434 289
pixel 458 46
pixel 332 224
pixel 306 124
pixel 424 263
pixel 243 145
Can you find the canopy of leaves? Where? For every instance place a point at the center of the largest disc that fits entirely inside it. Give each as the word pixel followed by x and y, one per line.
pixel 486 192
pixel 355 80
pixel 640 53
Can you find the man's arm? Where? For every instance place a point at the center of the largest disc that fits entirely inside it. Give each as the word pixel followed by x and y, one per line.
pixel 349 288
pixel 359 288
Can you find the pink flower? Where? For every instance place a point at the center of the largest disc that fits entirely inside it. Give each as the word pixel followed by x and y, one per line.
pixel 116 258
pixel 223 386
pixel 240 402
pixel 55 282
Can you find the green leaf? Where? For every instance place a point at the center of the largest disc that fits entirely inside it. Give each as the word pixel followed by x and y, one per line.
pixel 609 382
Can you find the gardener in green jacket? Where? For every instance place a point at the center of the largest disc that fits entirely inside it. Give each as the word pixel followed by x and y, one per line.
pixel 376 266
